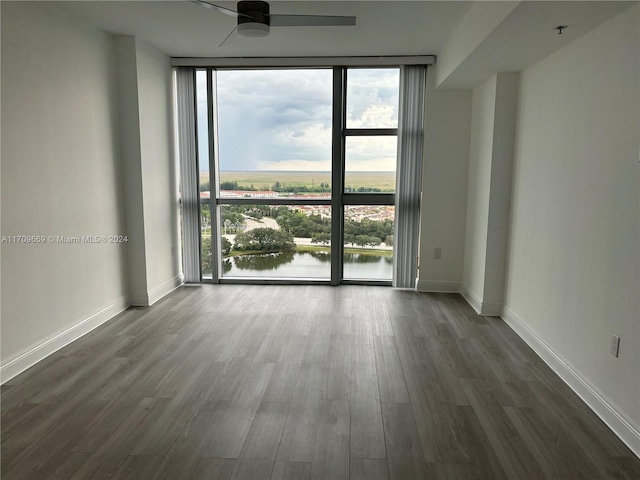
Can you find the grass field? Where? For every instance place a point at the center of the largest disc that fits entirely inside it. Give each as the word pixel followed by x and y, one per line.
pixel 264 180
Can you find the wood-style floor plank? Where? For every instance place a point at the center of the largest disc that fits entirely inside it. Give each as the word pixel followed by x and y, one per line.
pixel 283 380
pixel 516 460
pixel 260 449
pixel 339 371
pixel 369 469
pixel 409 469
pixel 291 471
pixel 138 467
pixel 214 468
pixel 232 429
pixel 401 436
pixel 331 450
pixel 298 382
pixel 60 466
pixel 188 451
pixel 367 431
pixel 298 439
pixel 391 381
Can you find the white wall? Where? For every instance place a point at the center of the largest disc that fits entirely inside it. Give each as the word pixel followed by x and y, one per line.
pixel 150 182
pixel 479 181
pixel 478 24
pixel 504 127
pixel 129 122
pixel 159 176
pixel 489 192
pixel 573 272
pixel 87 150
pixel 60 176
pixel 444 186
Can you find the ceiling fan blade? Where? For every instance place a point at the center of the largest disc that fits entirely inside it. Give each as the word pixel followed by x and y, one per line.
pixel 223 10
pixel 310 21
pixel 227 37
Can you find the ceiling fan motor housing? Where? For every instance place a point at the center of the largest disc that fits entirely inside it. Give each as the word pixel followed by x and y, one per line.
pixel 257 10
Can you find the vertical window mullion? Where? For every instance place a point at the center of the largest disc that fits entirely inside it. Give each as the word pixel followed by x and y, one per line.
pixel 337 174
pixel 213 190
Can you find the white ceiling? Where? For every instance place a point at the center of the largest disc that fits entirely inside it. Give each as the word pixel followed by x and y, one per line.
pixel 419 27
pixel 528 34
pixel 185 29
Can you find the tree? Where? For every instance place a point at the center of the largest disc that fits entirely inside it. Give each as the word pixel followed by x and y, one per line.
pixel 254 213
pixel 205 216
pixel 373 241
pixel 228 185
pixel 364 240
pixel 322 237
pixel 225 246
pixel 349 239
pixel 264 239
pixel 388 240
pixel 353 228
pixel 206 254
pixel 232 219
pixel 291 221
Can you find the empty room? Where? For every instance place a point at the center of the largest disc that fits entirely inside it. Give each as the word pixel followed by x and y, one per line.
pixel 320 240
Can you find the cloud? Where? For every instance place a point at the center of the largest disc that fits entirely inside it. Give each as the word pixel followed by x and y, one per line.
pixel 296 165
pixel 371 153
pixel 282 119
pixel 372 97
pixel 271 116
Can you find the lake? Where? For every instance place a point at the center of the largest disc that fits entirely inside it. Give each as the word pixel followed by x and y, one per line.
pixel 307 265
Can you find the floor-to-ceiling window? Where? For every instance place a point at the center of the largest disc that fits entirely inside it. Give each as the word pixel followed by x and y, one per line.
pixel 297 173
pixel 370 158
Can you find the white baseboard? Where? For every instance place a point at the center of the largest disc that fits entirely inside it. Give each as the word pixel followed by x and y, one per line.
pixel 481 308
pixel 139 299
pixel 43 350
pixel 165 289
pixel 438 287
pixel 491 309
pixel 616 421
pixel 148 299
pixel 471 299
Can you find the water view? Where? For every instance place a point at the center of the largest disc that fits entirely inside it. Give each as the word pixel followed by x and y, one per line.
pixel 294 241
pixel 314 265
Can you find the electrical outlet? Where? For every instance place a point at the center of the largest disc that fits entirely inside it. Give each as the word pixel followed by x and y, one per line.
pixel 437 253
pixel 615 345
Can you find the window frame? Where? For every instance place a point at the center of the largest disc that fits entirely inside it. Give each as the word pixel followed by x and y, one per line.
pixel 339 198
pixel 355 198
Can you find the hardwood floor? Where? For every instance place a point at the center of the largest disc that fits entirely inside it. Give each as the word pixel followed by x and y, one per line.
pixel 302 382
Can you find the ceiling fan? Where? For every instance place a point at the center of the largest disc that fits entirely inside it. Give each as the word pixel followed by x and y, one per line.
pixel 255 20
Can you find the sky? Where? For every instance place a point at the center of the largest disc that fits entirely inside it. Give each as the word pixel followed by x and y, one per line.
pixel 281 119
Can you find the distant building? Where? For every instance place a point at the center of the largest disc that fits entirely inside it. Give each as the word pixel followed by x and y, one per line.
pixel 248 194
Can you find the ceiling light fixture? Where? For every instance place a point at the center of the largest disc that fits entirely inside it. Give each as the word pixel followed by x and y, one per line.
pixel 254 19
pixel 253 29
pixel 560 28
